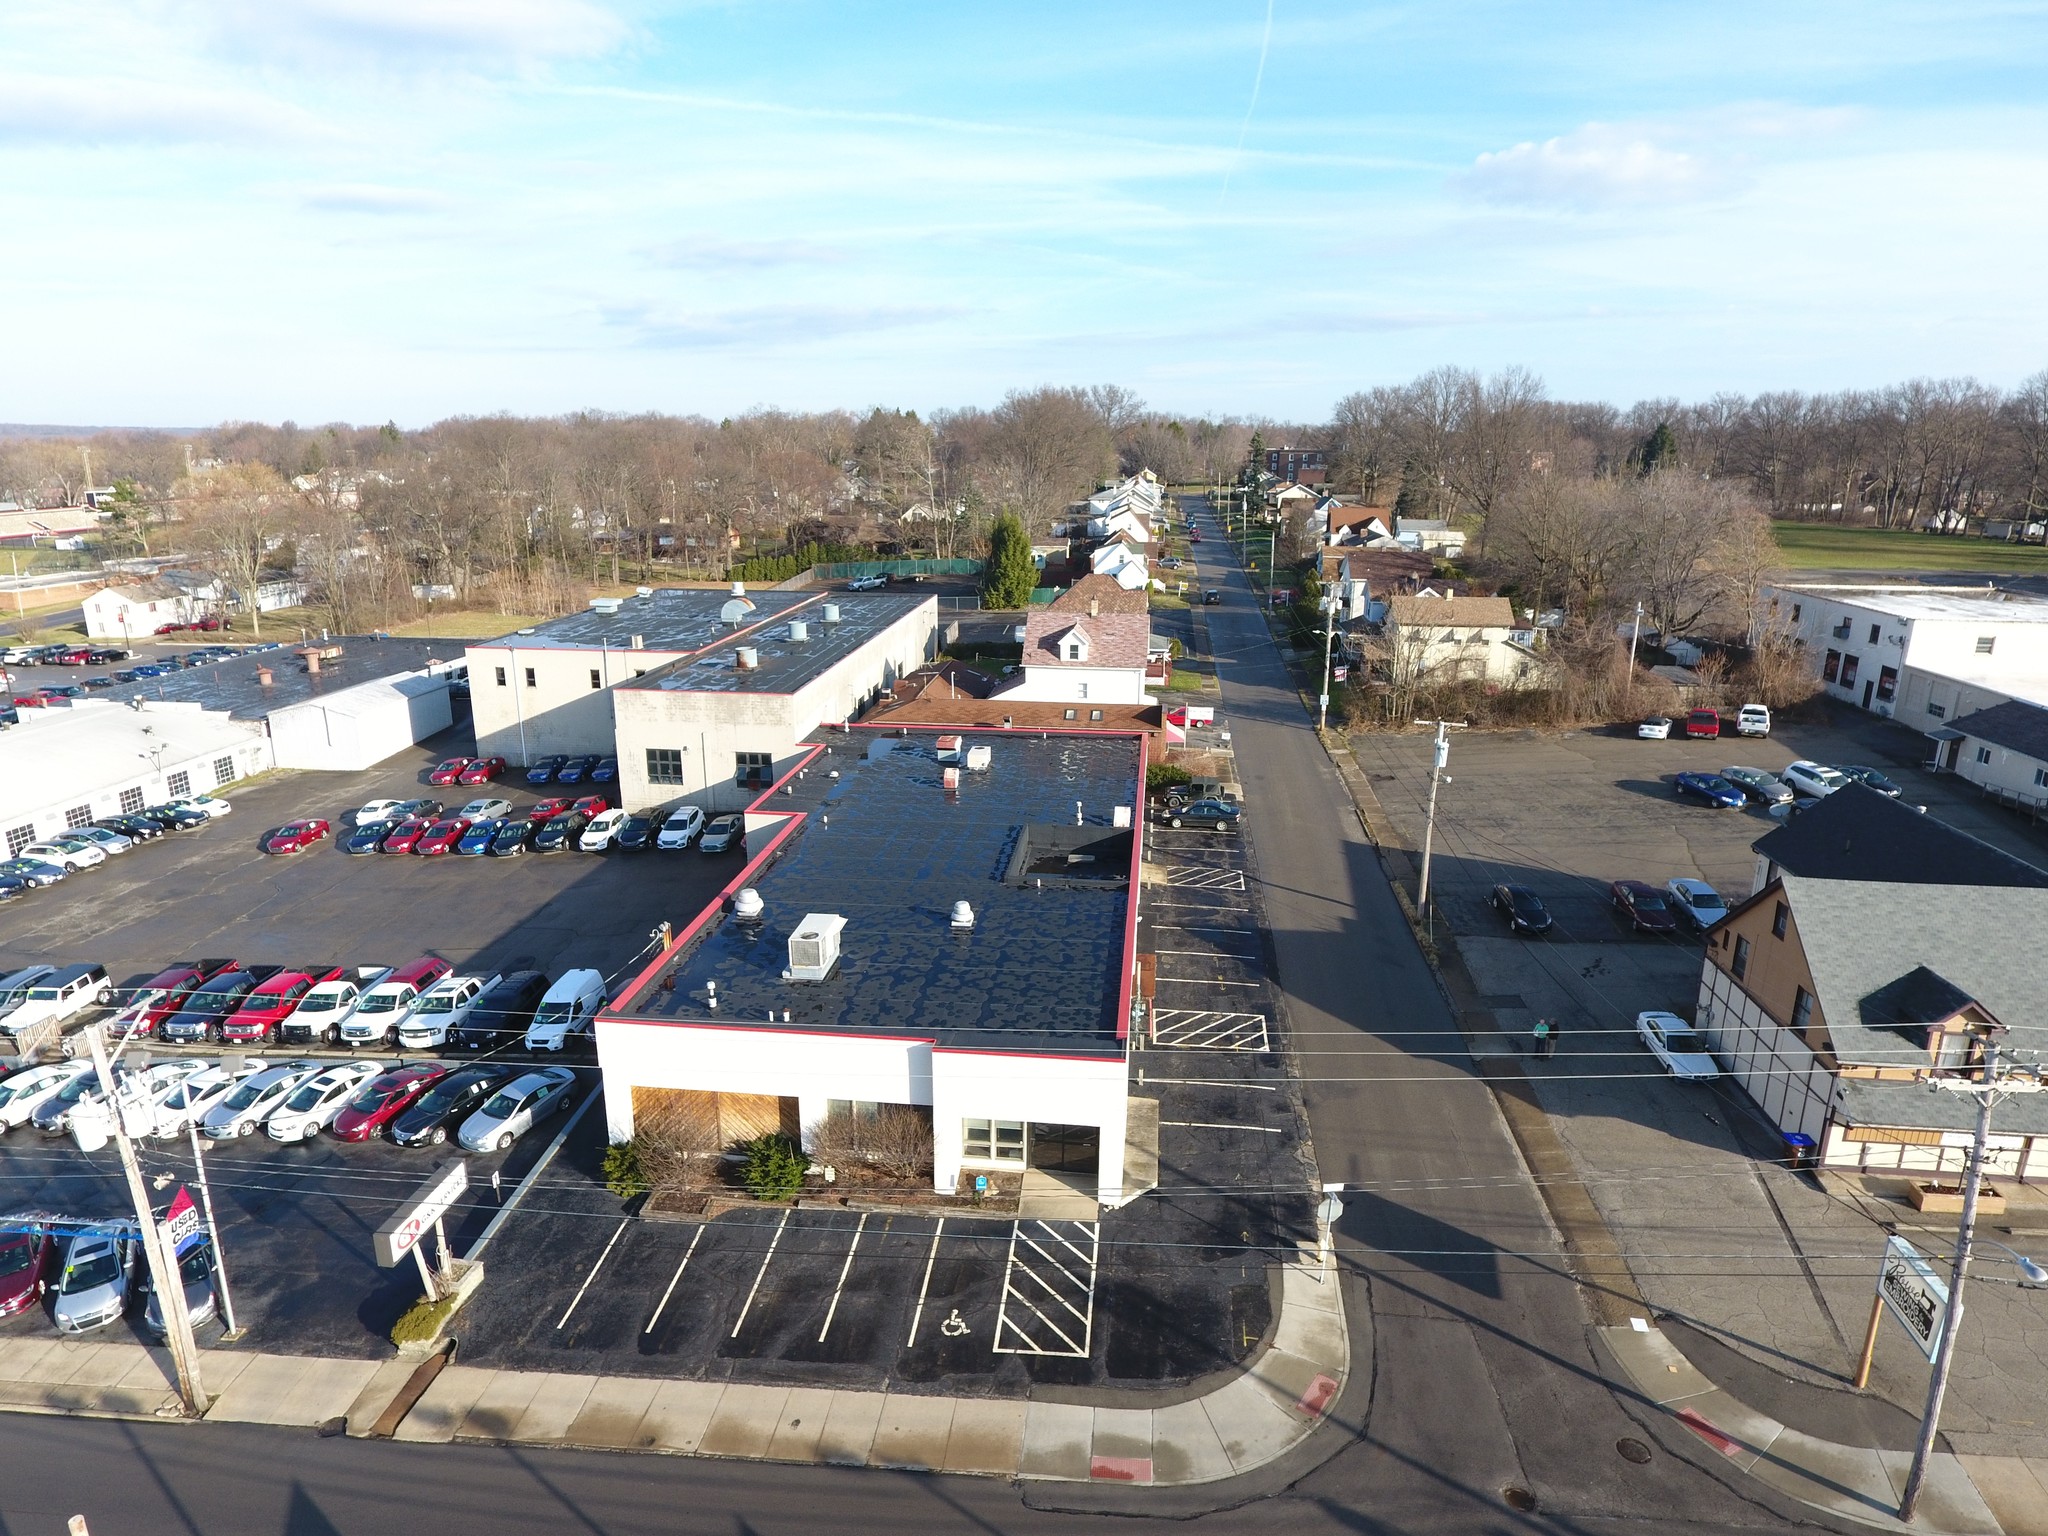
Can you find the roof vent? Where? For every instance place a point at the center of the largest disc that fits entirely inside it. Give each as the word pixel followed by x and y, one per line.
pixel 604 604
pixel 735 611
pixel 643 591
pixel 749 658
pixel 814 947
pixel 963 916
pixel 639 642
pixel 799 630
pixel 748 903
pixel 831 613
pixel 739 589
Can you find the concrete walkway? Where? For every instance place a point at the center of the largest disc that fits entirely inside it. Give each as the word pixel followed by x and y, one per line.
pixel 1964 1495
pixel 1256 1416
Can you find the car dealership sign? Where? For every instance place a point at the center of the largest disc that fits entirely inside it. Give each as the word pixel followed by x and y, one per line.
pixel 408 1224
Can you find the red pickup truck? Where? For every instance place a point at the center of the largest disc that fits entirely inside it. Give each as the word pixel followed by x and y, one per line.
pixel 256 1021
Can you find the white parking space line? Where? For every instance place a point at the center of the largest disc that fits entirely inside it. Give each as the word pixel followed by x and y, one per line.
pixel 617 1233
pixel 678 1275
pixel 1203 981
pixel 754 1289
pixel 1196 1029
pixel 1049 1289
pixel 930 1259
pixel 1202 877
pixel 1155 904
pixel 844 1269
pixel 1198 928
pixel 1213 1125
pixel 1205 954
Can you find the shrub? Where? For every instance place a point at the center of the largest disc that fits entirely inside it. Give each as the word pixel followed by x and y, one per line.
pixel 772 1167
pixel 896 1139
pixel 423 1320
pixel 1160 776
pixel 623 1174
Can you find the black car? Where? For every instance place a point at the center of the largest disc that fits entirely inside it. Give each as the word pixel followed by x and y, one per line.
pixel 511 837
pixel 99 656
pixel 636 833
pixel 1217 815
pixel 1870 778
pixel 209 1004
pixel 545 769
pixel 177 818
pixel 366 839
pixel 127 675
pixel 97 682
pixel 446 1104
pixel 1212 597
pixel 501 1015
pixel 559 832
pixel 1522 907
pixel 574 770
pixel 141 828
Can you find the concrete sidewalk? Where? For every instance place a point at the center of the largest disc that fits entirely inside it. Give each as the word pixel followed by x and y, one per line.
pixel 1964 1495
pixel 1256 1416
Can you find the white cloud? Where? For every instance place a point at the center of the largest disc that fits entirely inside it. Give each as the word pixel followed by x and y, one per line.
pixel 116 111
pixel 768 324
pixel 423 31
pixel 734 256
pixel 1597 166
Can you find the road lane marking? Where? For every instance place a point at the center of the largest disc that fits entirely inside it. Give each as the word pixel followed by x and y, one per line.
pixel 673 1279
pixel 930 1259
pixel 618 1232
pixel 832 1311
pixel 1206 954
pixel 753 1289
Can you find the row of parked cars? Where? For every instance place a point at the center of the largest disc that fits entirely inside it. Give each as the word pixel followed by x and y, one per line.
pixel 91 1277
pixel 491 826
pixel 1802 781
pixel 51 859
pixel 1646 908
pixel 101 655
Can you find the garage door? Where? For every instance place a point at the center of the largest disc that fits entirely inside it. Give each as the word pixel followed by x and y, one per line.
pixel 686 1118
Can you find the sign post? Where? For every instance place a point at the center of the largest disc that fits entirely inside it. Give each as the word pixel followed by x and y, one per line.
pixel 406 1230
pixel 1908 1288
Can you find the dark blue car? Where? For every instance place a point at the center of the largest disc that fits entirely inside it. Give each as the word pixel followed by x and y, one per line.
pixel 545 769
pixel 478 838
pixel 607 769
pixel 573 771
pixel 1712 788
pixel 366 839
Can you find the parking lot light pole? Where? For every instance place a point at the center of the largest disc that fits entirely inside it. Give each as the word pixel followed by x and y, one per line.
pixel 1634 634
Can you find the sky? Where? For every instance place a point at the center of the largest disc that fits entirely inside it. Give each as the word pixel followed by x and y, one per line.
pixel 365 210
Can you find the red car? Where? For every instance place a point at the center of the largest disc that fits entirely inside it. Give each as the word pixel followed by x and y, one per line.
pixel 257 1019
pixel 590 805
pixel 441 836
pixel 72 658
pixel 24 1261
pixel 404 837
pixel 1645 908
pixel 296 836
pixel 450 771
pixel 1703 724
pixel 383 1099
pixel 163 995
pixel 544 809
pixel 482 770
pixel 172 628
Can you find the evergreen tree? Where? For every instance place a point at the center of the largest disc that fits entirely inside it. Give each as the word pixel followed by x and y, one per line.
pixel 1254 460
pixel 1009 576
pixel 1415 499
pixel 1658 451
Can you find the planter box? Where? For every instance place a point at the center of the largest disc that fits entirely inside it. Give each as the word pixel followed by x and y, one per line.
pixel 467 1278
pixel 1947 1199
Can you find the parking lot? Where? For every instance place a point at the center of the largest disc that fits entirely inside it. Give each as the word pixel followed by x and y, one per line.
pixel 297 1220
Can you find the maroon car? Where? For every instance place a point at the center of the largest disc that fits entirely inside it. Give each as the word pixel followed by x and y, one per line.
pixel 483 769
pixel 24 1262
pixel 1645 908
pixel 163 995
pixel 543 809
pixel 384 1098
pixel 450 771
pixel 296 836
pixel 405 837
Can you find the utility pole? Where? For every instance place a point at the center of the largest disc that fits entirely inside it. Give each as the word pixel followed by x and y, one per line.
pixel 163 1269
pixel 1441 756
pixel 1330 601
pixel 1634 635
pixel 232 1330
pixel 1987 1090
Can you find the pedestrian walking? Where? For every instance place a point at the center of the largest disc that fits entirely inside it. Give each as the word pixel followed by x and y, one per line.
pixel 1546 1039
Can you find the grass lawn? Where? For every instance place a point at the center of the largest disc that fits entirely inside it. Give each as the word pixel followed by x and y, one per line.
pixel 1824 546
pixel 1185 682
pixel 466 626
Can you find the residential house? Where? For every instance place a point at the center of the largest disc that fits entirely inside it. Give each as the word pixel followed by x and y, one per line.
pixel 1833 1001
pixel 1094 594
pixel 1858 834
pixel 1432 535
pixel 1092 657
pixel 1455 639
pixel 1351 591
pixel 1343 523
pixel 1123 561
pixel 1289 497
pixel 2003 750
pixel 137 610
pixel 1287 463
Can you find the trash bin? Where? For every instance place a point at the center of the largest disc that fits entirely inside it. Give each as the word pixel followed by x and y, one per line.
pixel 1801 1155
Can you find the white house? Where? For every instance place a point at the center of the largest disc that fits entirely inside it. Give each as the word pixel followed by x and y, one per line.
pixel 1351 589
pixel 1140 493
pixel 1444 639
pixel 1117 555
pixel 138 610
pixel 1097 658
pixel 2003 750
pixel 1432 535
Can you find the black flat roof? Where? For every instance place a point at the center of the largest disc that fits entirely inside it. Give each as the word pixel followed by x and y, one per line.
pixel 1858 834
pixel 784 663
pixel 887 847
pixel 232 685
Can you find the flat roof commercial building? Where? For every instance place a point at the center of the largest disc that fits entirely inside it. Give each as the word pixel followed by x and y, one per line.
pixel 854 985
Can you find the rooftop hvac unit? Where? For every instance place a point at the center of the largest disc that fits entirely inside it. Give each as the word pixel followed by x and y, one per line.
pixel 831 613
pixel 749 658
pixel 814 947
pixel 739 589
pixel 604 605
pixel 799 630
pixel 978 759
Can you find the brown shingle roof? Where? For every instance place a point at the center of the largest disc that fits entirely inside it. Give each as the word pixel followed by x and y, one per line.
pixel 1465 612
pixel 1114 639
pixel 1104 591
pixel 1345 515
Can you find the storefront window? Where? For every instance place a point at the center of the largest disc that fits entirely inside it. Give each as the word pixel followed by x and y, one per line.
pixel 992 1141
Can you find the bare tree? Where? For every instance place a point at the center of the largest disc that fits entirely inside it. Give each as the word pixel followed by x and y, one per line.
pixel 234 517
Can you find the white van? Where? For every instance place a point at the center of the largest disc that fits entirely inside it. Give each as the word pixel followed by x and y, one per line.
pixel 570 1008
pixel 1753 720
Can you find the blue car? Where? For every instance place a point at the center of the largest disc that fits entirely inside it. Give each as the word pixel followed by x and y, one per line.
pixel 33 871
pixel 478 838
pixel 151 670
pixel 545 769
pixel 366 839
pixel 572 771
pixel 606 770
pixel 1712 788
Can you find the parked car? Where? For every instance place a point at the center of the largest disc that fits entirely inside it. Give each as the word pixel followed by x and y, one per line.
pixel 296 836
pixel 1216 815
pixel 322 1011
pixel 606 771
pixel 590 805
pixel 382 1099
pixel 405 836
pixel 516 1108
pixel 482 770
pixel 543 809
pixel 510 838
pixel 636 833
pixel 1870 778
pixel 68 852
pixel 441 1010
pixel 379 812
pixel 91 1286
pixel 177 818
pixel 1814 780
pixel 570 1009
pixel 137 829
pixel 1523 909
pixel 500 1016
pixel 384 1008
pixel 311 1107
pixel 26 1091
pixel 107 841
pixel 212 807
pixel 1702 724
pixel 62 995
pixel 33 872
pixel 206 1010
pixel 681 828
pixel 1655 728
pixel 14 987
pixel 723 833
pixel 541 771
pixel 185 1103
pixel 476 837
pixel 163 995
pixel 1696 901
pixel 24 1268
pixel 1753 720
pixel 488 808
pixel 195 1275
pixel 250 1102
pixel 602 828
pixel 448 771
pixel 575 770
pixel 273 1001
pixel 1710 788
pixel 418 810
pixel 449 1100
pixel 1643 906
pixel 559 832
pixel 1756 784
pixel 1674 1043
pixel 441 837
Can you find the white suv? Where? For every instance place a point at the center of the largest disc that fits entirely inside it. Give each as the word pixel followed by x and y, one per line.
pixel 1814 780
pixel 442 1009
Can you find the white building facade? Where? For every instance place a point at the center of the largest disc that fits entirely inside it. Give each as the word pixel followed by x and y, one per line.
pixel 1075 658
pixel 359 727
